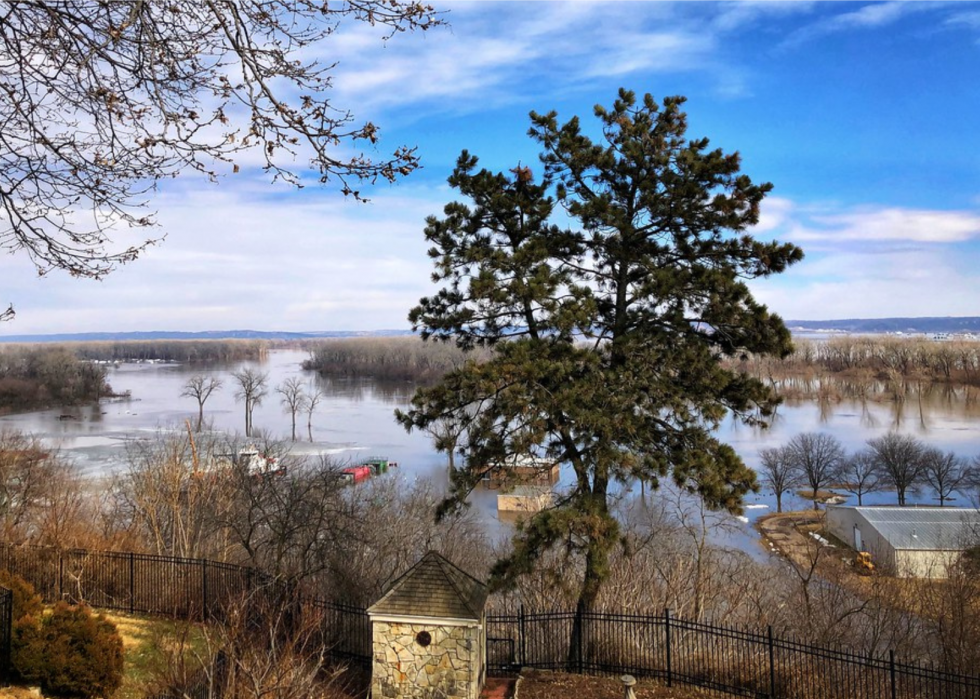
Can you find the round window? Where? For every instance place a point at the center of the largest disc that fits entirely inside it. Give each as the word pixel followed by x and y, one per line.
pixel 423 638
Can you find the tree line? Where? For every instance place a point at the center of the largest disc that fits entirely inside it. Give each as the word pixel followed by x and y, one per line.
pixel 815 461
pixel 39 377
pixel 877 357
pixel 396 358
pixel 184 351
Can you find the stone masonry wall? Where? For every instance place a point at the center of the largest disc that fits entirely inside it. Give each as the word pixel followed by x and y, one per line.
pixel 448 668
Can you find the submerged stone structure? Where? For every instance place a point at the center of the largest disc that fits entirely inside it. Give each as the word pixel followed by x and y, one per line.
pixel 429 634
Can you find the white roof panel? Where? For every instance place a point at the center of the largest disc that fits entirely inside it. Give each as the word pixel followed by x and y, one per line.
pixel 925 528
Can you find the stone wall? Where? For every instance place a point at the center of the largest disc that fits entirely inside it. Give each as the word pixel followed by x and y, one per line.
pixel 449 667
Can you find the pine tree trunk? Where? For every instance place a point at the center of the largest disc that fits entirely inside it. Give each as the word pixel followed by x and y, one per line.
pixel 596 567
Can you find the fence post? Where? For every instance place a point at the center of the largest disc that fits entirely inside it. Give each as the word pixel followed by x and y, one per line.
pixel 204 590
pixel 61 574
pixel 581 636
pixel 667 632
pixel 521 636
pixel 772 666
pixel 891 668
pixel 132 582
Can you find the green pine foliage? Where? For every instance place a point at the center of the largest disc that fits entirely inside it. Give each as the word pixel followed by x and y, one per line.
pixel 609 334
pixel 69 652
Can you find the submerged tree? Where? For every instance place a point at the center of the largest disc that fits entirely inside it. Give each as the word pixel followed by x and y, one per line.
pixel 252 388
pixel 899 459
pixel 200 387
pixel 608 339
pixel 314 395
pixel 293 399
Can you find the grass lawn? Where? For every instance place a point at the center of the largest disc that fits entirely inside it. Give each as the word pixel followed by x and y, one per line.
pixel 149 643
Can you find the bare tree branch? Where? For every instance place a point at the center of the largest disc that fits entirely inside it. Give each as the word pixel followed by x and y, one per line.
pixel 100 100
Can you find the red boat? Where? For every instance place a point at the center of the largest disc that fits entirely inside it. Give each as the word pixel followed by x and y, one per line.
pixel 357 474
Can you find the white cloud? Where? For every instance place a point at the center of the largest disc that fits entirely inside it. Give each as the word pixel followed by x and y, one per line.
pixel 869 16
pixel 901 283
pixel 872 262
pixel 495 54
pixel 234 259
pixel 892 224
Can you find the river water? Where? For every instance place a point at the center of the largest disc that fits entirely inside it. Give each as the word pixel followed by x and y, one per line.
pixel 355 419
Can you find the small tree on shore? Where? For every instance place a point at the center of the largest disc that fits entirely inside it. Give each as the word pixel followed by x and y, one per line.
pixel 817 457
pixel 943 472
pixel 778 473
pixel 860 474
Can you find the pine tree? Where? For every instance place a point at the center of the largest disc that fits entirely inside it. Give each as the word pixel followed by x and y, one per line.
pixel 608 337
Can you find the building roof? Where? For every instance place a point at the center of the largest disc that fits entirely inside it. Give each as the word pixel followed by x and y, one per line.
pixel 925 528
pixel 433 588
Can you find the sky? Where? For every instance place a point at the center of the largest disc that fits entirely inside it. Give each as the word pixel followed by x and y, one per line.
pixel 864 116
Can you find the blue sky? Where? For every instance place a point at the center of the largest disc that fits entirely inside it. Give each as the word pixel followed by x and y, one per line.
pixel 865 117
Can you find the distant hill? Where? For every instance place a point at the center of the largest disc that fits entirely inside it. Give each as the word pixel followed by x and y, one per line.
pixel 968 324
pixel 206 335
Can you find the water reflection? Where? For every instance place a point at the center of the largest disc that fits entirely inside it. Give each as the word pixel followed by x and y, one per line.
pixel 918 407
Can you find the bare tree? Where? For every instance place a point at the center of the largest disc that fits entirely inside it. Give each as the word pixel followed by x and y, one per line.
pixel 779 474
pixel 41 494
pixel 817 457
pixel 252 388
pixel 447 434
pixel 860 474
pixel 943 471
pixel 200 388
pixel 102 99
pixel 167 499
pixel 293 398
pixel 971 482
pixel 314 395
pixel 899 457
pixel 269 644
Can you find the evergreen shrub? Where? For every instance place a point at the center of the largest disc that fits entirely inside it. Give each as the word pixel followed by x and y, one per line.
pixel 69 652
pixel 26 600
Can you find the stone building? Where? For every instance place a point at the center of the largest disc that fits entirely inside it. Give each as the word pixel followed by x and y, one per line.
pixel 429 634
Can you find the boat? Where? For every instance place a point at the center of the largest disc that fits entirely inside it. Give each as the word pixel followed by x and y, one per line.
pixel 367 468
pixel 254 462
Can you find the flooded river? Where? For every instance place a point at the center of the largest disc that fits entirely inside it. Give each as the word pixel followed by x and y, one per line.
pixel 355 419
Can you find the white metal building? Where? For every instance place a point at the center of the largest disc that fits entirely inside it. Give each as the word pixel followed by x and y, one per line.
pixel 920 542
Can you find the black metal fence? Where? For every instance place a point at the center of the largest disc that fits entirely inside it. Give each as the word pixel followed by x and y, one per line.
pixel 734 661
pixel 6 626
pixel 739 662
pixel 180 588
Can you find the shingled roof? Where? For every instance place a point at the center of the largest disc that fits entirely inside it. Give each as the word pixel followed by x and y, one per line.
pixel 433 588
